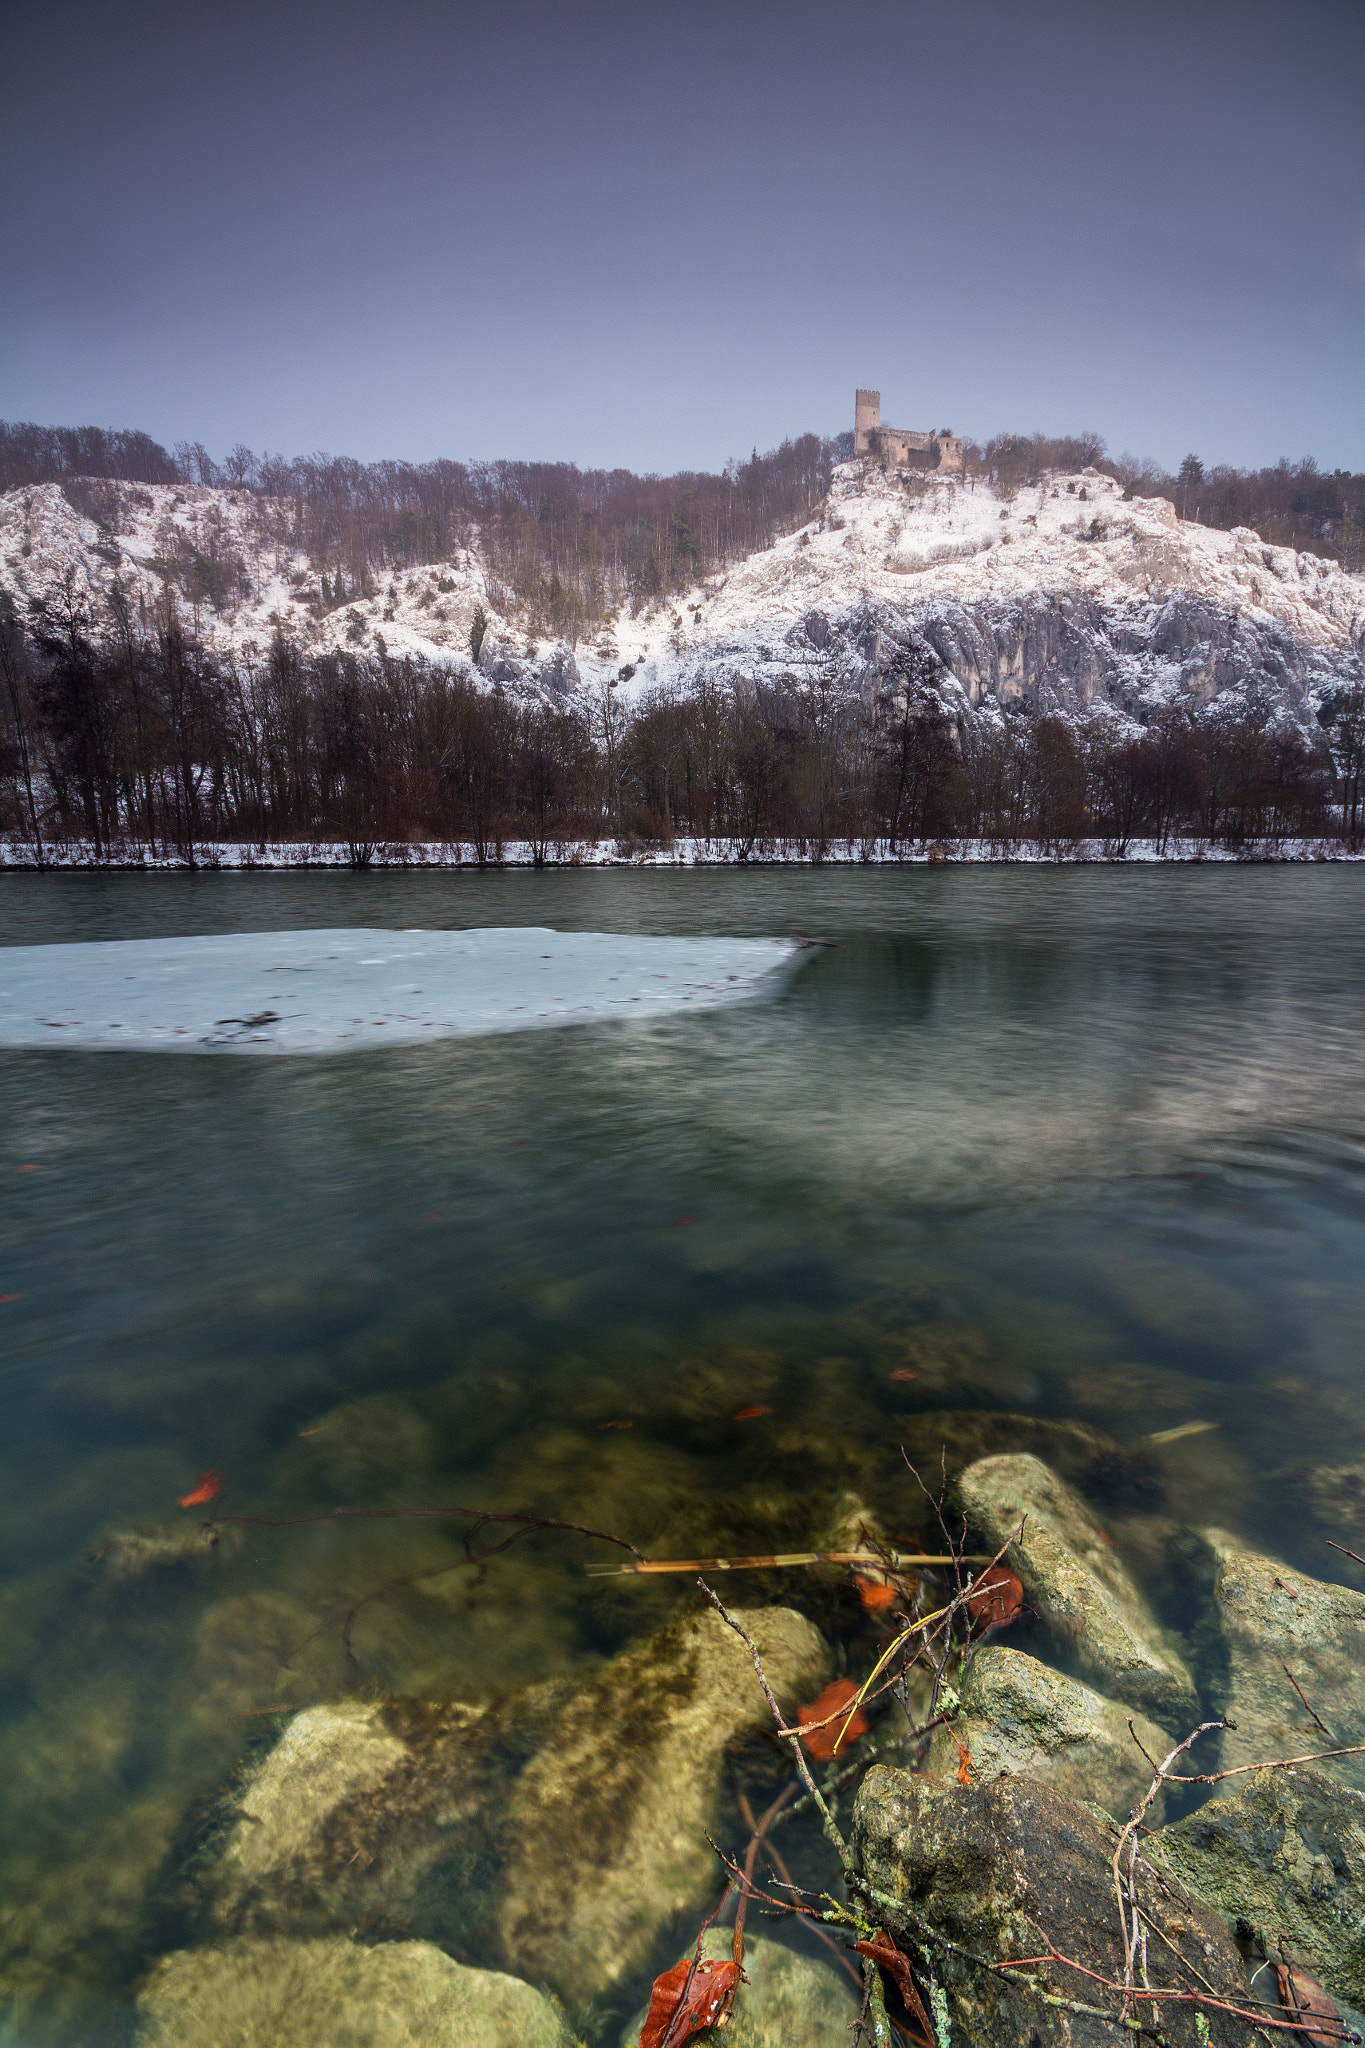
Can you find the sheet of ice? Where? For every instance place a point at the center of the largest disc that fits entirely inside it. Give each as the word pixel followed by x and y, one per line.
pixel 331 991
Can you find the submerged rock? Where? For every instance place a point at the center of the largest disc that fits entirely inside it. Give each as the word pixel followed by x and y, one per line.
pixel 1077 1582
pixel 1285 1853
pixel 382 1817
pixel 1023 1720
pixel 790 2000
pixel 997 1870
pixel 566 1827
pixel 322 1994
pixel 1272 1617
pixel 607 1824
pixel 129 1554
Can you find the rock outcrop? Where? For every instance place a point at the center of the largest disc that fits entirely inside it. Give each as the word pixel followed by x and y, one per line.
pixel 322 1994
pixel 1076 1581
pixel 1272 1617
pixel 1000 1870
pixel 1021 1719
pixel 1284 1854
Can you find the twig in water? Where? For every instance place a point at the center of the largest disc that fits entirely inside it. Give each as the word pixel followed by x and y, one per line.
pixel 1307 1709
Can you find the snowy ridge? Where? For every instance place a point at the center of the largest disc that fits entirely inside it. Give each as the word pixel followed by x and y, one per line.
pixel 1061 596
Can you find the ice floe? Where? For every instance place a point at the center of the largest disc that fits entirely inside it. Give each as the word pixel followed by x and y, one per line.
pixel 331 991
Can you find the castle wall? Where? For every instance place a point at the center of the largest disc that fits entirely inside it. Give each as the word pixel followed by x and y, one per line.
pixel 902 447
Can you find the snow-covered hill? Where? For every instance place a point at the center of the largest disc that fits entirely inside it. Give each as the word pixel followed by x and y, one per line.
pixel 1064 595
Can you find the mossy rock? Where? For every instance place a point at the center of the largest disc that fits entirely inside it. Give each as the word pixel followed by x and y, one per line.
pixel 1076 1581
pixel 1284 1853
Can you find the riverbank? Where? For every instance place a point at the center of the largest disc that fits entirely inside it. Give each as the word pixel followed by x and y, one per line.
pixel 246 857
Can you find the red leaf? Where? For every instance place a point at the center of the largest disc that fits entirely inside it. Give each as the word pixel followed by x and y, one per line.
pixel 835 1699
pixel 709 1998
pixel 890 1959
pixel 209 1487
pixel 1305 2001
pixel 748 1414
pixel 995 1598
pixel 904 1373
pixel 875 1594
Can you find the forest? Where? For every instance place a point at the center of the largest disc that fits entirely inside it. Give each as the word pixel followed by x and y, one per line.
pixel 142 742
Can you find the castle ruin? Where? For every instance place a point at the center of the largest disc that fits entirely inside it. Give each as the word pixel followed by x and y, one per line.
pixel 901 447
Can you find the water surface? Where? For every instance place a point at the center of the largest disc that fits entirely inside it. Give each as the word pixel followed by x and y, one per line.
pixel 1069 1143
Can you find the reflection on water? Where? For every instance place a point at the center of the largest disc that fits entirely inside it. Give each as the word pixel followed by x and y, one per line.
pixel 1073 1145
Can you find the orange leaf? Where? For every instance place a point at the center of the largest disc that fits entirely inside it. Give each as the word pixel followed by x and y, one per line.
pixel 209 1487
pixel 966 1769
pixel 748 1414
pixel 995 1598
pixel 875 1595
pixel 904 1373
pixel 673 2018
pixel 836 1699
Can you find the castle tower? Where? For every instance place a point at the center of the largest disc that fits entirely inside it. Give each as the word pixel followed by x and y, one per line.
pixel 867 418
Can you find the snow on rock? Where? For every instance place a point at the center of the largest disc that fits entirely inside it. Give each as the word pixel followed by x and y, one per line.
pixel 1062 595
pixel 332 991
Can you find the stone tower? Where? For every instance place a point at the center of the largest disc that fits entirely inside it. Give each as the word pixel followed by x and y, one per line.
pixel 867 418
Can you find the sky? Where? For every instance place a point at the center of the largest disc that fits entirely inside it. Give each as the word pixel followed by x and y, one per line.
pixel 656 236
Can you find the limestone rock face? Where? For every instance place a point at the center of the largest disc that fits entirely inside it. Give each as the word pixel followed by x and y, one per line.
pixel 790 2000
pixel 607 1824
pixel 989 1867
pixel 1078 1584
pixel 1023 1720
pixel 1271 1617
pixel 333 1994
pixel 1286 1853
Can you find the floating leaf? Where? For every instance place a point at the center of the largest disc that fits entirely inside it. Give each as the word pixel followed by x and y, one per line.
pixel 748 1414
pixel 995 1598
pixel 836 1698
pixel 876 1595
pixel 678 2010
pixel 209 1487
pixel 1305 2001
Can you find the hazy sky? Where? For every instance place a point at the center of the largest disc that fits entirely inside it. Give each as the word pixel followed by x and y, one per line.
pixel 658 235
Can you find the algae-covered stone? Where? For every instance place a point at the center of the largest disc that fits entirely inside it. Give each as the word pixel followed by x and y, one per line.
pixel 1271 1617
pixel 607 1825
pixel 790 2000
pixel 1078 1583
pixel 1023 1720
pixel 996 1869
pixel 375 1815
pixel 256 1992
pixel 1285 1852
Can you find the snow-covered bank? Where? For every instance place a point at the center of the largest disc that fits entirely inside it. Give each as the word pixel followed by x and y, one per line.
pixel 240 858
pixel 300 992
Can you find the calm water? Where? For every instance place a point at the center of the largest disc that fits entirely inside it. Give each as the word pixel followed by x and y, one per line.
pixel 1082 1144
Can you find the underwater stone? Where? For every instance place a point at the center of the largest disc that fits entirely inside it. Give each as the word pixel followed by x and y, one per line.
pixel 790 2000
pixel 1270 1617
pixel 320 1994
pixel 996 1867
pixel 375 1816
pixel 1023 1720
pixel 1077 1583
pixel 607 1825
pixel 1285 1853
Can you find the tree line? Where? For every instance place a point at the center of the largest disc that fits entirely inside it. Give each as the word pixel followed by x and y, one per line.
pixel 141 737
